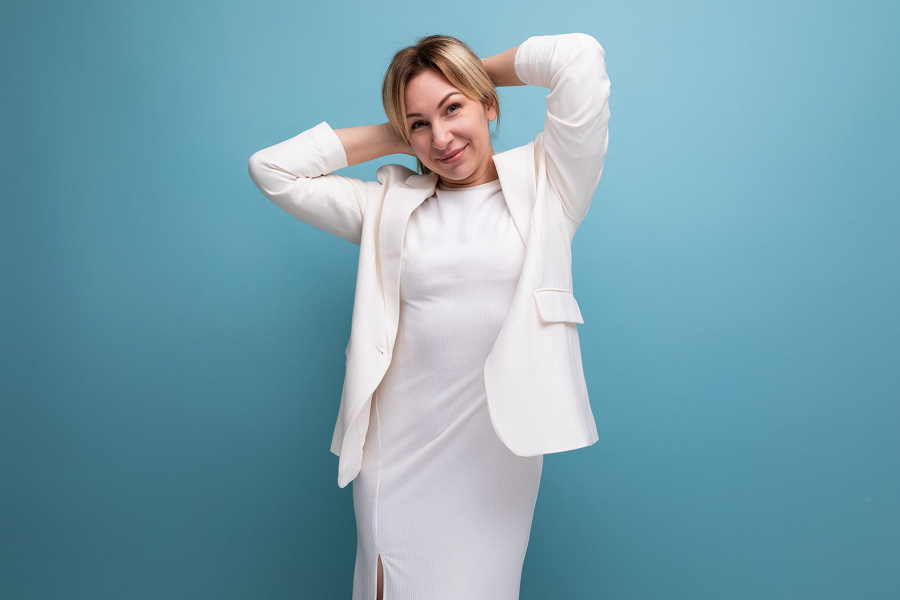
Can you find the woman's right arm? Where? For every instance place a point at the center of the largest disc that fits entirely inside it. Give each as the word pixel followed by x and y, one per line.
pixel 297 175
pixel 368 142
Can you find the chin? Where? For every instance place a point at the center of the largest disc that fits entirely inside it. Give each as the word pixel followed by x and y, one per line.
pixel 457 177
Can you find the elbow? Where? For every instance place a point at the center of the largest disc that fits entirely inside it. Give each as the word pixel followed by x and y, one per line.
pixel 253 165
pixel 256 168
pixel 586 41
pixel 588 48
pixel 586 52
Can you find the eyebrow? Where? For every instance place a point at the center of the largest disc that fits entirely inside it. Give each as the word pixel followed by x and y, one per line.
pixel 408 115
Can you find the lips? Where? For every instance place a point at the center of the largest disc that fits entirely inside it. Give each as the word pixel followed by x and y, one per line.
pixel 451 155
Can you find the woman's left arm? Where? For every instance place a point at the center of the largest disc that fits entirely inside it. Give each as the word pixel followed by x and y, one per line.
pixel 501 68
pixel 576 126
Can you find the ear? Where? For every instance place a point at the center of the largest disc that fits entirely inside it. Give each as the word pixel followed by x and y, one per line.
pixel 490 109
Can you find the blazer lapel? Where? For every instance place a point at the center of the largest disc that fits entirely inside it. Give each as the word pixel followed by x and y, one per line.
pixel 400 201
pixel 516 170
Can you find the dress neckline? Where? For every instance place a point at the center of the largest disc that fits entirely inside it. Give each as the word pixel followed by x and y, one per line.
pixel 481 186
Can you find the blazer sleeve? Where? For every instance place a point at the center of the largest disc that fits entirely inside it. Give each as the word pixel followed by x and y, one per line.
pixel 576 126
pixel 296 175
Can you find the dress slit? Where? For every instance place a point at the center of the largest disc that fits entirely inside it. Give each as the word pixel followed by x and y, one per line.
pixel 379 581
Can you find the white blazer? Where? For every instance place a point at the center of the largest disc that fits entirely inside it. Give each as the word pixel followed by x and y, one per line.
pixel 534 379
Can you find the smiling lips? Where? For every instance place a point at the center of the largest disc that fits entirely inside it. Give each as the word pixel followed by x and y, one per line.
pixel 452 156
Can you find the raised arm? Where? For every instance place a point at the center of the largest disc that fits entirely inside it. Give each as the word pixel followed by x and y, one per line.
pixel 296 175
pixel 501 68
pixel 368 142
pixel 576 127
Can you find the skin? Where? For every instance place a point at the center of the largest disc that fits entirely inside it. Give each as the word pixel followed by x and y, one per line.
pixel 457 122
pixel 437 128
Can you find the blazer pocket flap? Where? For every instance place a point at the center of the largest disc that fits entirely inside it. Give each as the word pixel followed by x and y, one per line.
pixel 557 306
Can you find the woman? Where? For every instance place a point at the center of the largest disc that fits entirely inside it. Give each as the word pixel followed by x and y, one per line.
pixel 464 365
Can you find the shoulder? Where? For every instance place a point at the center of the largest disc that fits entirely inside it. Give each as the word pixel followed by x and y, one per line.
pixel 393 173
pixel 389 175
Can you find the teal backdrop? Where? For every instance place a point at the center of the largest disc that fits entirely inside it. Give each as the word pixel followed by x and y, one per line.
pixel 173 343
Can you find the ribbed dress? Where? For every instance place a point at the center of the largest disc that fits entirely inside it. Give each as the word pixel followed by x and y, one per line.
pixel 439 496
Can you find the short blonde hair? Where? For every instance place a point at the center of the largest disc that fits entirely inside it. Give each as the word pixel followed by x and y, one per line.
pixel 443 54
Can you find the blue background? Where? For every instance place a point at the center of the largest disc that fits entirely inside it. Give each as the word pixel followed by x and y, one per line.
pixel 173 343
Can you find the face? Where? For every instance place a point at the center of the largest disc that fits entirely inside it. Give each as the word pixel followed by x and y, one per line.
pixel 442 120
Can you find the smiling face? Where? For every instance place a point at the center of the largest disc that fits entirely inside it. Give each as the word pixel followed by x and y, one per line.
pixel 442 120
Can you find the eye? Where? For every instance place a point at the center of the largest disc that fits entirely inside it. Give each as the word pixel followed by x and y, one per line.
pixel 448 108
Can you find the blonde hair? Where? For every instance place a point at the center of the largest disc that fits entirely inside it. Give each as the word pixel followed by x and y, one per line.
pixel 443 54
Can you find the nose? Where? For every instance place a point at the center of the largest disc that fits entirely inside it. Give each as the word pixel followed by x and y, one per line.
pixel 441 139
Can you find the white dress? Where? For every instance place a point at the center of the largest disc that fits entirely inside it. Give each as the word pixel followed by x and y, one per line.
pixel 439 496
